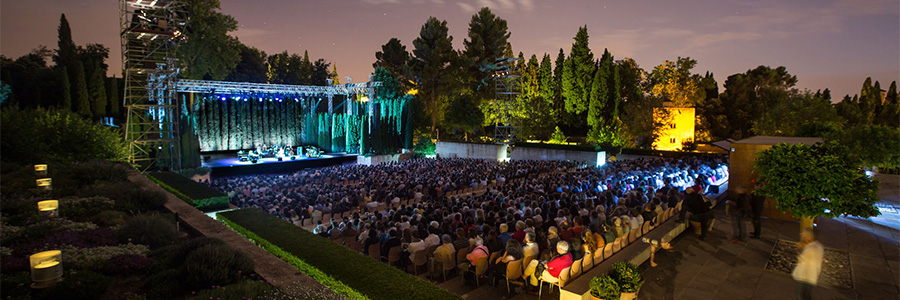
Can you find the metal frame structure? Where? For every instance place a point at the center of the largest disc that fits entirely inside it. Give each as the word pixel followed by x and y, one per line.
pixel 150 33
pixel 506 92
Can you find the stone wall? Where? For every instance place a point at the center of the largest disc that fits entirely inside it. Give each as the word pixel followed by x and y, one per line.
pixel 591 158
pixel 470 150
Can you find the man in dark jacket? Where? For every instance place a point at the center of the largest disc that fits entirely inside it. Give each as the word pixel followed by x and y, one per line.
pixel 756 207
pixel 697 206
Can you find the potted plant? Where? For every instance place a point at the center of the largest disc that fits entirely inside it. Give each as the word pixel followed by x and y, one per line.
pixel 604 288
pixel 629 278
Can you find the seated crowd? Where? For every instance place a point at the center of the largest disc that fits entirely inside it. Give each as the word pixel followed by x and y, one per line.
pixel 550 219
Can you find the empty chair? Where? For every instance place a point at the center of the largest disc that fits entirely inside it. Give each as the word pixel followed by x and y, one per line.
pixel 514 271
pixel 527 260
pixel 632 236
pixel 354 244
pixel 597 256
pixel 448 266
pixel 645 227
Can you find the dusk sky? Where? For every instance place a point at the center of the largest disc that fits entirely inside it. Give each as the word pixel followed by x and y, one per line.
pixel 825 43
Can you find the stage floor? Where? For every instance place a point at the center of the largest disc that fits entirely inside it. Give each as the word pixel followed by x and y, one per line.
pixel 228 163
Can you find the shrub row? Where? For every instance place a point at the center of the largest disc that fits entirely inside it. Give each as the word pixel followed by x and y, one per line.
pixel 195 194
pixel 371 278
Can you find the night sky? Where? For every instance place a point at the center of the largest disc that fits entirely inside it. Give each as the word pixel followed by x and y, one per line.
pixel 826 43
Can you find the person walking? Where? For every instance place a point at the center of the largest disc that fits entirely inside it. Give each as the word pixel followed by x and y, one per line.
pixel 756 207
pixel 739 208
pixel 809 264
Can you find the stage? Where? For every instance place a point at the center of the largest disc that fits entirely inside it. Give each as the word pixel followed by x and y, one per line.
pixel 227 163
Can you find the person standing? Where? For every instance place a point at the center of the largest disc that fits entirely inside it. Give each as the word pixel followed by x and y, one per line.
pixel 809 264
pixel 697 206
pixel 756 207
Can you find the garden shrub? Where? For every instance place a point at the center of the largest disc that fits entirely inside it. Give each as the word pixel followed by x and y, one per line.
pixel 14 263
pixel 87 173
pixel 110 218
pixel 215 265
pixel 144 200
pixel 165 284
pixel 15 286
pixel 246 289
pixel 80 239
pixel 128 264
pixel 96 258
pixel 151 230
pixel 79 285
pixel 334 265
pixel 198 195
pixel 56 136
pixel 83 208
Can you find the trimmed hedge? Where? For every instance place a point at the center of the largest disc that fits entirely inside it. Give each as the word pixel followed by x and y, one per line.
pixel 195 194
pixel 370 278
pixel 560 147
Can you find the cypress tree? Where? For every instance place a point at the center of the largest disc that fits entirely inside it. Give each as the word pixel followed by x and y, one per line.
pixel 81 101
pixel 97 92
pixel 578 74
pixel 66 90
pixel 66 55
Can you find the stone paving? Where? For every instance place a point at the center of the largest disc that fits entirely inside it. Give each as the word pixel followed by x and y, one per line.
pixel 718 269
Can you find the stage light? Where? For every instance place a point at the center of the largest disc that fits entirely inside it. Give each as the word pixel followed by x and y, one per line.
pixel 364 99
pixel 223 98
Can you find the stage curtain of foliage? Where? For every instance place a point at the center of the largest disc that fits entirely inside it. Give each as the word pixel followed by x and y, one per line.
pixel 245 123
pixel 40 135
pixel 820 180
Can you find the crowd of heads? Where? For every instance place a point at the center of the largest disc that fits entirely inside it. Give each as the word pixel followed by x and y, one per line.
pixel 550 201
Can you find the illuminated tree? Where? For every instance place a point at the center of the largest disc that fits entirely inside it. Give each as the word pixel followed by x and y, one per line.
pixel 578 73
pixel 432 54
pixel 97 92
pixel 335 78
pixel 487 40
pixel 820 180
pixel 674 82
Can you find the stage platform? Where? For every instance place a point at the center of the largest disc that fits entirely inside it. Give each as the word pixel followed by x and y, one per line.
pixel 227 163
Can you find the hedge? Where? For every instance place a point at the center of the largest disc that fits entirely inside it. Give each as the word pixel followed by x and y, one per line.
pixel 370 278
pixel 195 194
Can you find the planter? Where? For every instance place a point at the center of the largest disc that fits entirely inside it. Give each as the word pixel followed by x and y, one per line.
pixel 628 296
pixel 695 225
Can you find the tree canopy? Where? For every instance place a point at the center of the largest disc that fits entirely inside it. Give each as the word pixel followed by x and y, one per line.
pixel 819 180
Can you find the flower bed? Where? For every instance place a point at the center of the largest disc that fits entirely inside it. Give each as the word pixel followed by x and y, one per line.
pixel 195 194
pixel 369 279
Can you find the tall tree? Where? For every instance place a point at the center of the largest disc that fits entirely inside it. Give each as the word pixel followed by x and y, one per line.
pixel 432 54
pixel 393 57
pixel 66 55
pixel 748 95
pixel 801 109
pixel 335 78
pixel 559 104
pixel 210 52
pixel 578 74
pixel 320 72
pixel 251 67
pixel 81 99
pixel 712 123
pixel 97 92
pixel 890 113
pixel 66 90
pixel 487 40
pixel 673 81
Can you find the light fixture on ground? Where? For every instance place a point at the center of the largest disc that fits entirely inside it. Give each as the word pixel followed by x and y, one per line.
pixel 46 268
pixel 48 208
pixel 40 170
pixel 44 184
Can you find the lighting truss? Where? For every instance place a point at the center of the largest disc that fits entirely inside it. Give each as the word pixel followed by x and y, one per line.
pixel 248 88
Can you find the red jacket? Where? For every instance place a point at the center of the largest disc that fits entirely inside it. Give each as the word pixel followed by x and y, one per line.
pixel 555 266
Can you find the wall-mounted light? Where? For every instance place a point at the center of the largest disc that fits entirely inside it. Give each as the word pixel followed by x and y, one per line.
pixel 46 268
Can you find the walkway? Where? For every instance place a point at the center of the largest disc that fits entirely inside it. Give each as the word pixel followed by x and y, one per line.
pixel 718 269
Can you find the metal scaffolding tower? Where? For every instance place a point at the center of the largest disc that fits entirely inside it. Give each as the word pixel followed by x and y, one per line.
pixel 150 33
pixel 506 93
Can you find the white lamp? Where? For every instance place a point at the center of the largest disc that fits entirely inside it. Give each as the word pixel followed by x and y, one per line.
pixel 46 268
